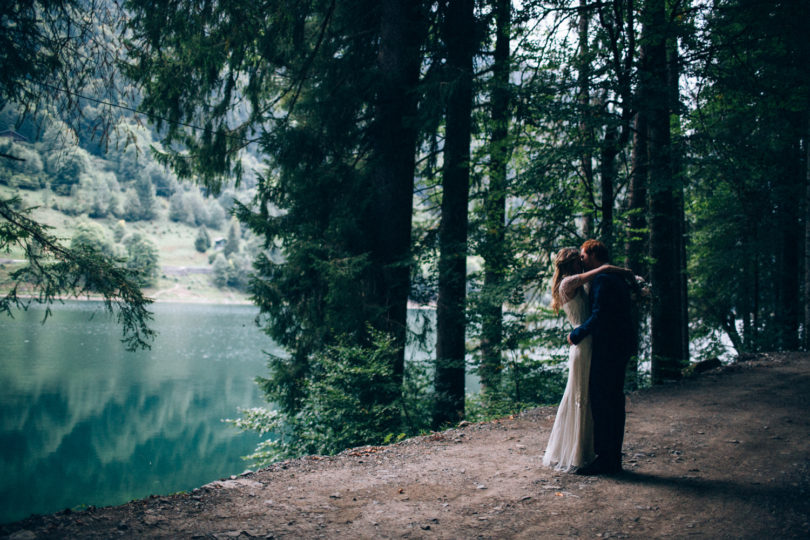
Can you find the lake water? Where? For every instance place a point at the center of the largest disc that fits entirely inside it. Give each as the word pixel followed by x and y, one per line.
pixel 83 422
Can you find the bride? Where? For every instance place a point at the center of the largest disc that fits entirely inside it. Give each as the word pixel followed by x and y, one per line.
pixel 571 442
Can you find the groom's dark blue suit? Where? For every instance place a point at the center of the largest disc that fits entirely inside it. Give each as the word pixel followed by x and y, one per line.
pixel 613 343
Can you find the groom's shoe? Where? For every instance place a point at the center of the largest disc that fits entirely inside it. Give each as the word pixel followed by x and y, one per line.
pixel 614 465
pixel 615 468
pixel 600 466
pixel 592 469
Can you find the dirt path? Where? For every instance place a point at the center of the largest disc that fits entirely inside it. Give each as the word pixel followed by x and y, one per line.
pixel 724 455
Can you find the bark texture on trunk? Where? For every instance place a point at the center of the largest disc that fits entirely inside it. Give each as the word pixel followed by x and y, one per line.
pixel 806 335
pixel 585 125
pixel 494 250
pixel 395 137
pixel 451 304
pixel 666 317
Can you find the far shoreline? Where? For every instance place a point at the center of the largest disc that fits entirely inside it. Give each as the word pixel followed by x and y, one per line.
pixel 34 300
pixel 182 299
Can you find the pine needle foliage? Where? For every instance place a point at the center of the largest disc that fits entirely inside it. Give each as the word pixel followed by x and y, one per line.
pixel 314 88
pixel 348 403
pixel 53 271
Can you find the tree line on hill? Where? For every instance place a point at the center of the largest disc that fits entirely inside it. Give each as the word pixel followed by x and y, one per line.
pixel 444 150
pixel 123 186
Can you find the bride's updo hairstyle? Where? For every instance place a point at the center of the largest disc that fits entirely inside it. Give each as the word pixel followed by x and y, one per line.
pixel 565 264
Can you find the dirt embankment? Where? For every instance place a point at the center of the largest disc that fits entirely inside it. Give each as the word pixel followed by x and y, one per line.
pixel 723 455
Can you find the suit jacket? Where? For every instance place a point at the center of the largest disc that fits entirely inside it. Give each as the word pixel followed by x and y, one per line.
pixel 610 323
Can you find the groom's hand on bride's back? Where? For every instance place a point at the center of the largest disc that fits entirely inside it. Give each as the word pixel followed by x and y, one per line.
pixel 569 340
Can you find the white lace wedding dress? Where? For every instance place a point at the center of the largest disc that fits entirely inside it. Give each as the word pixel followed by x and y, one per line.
pixel 571 441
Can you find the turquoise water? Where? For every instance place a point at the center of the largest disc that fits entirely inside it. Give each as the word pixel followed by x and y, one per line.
pixel 83 422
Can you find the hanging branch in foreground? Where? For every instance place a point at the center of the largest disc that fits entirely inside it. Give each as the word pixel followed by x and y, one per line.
pixel 54 271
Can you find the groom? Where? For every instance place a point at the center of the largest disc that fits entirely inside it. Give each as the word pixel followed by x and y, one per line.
pixel 613 342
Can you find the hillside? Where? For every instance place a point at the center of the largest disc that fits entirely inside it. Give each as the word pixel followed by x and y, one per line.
pixel 185 274
pixel 723 455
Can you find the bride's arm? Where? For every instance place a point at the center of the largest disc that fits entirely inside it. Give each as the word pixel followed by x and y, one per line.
pixel 607 268
pixel 572 283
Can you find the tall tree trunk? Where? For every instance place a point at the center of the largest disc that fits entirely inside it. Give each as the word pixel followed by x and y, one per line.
pixel 787 282
pixel 394 138
pixel 494 250
pixel 745 305
pixel 755 322
pixel 608 173
pixel 586 121
pixel 636 243
pixel 393 168
pixel 678 176
pixel 637 234
pixel 637 246
pixel 450 312
pixel 616 19
pixel 806 336
pixel 666 331
pixel 680 247
pixel 617 25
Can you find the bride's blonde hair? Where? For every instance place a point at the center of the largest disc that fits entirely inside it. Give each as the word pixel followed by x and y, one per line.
pixel 565 264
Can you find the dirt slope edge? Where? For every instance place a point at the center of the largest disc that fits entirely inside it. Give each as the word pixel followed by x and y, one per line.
pixel 722 455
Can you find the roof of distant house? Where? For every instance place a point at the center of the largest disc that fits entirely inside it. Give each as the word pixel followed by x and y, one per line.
pixel 11 134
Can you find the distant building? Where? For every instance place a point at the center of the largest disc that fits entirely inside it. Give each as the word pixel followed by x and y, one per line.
pixel 13 135
pixel 219 243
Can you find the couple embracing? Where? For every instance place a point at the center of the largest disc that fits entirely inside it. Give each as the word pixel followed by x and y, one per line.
pixel 589 429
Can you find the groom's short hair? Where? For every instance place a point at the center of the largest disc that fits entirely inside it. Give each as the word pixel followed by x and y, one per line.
pixel 596 249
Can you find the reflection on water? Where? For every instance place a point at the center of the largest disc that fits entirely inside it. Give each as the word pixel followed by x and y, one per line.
pixel 83 422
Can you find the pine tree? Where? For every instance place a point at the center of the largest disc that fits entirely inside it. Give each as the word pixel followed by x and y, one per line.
pixel 234 239
pixel 203 241
pixel 585 112
pixel 394 135
pixel 146 197
pixel 667 352
pixel 338 130
pixel 748 126
pixel 459 36
pixel 177 207
pixel 494 248
pixel 142 259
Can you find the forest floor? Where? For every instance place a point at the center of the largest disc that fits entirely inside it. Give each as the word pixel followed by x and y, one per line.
pixel 725 454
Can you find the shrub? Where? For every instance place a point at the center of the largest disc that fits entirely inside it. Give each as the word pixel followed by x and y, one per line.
pixel 22 181
pixel 233 271
pixel 28 173
pixel 142 258
pixel 203 241
pixel 67 169
pixel 178 211
pixel 351 401
pixel 234 234
pixel 162 180
pixel 216 215
pixel 99 194
pixel 119 230
pixel 131 210
pixel 91 236
pixel 222 270
pixel 146 196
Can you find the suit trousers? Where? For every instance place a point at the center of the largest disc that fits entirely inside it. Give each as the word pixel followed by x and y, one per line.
pixel 607 406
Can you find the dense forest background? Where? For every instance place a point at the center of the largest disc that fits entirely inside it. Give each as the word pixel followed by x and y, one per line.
pixel 438 152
